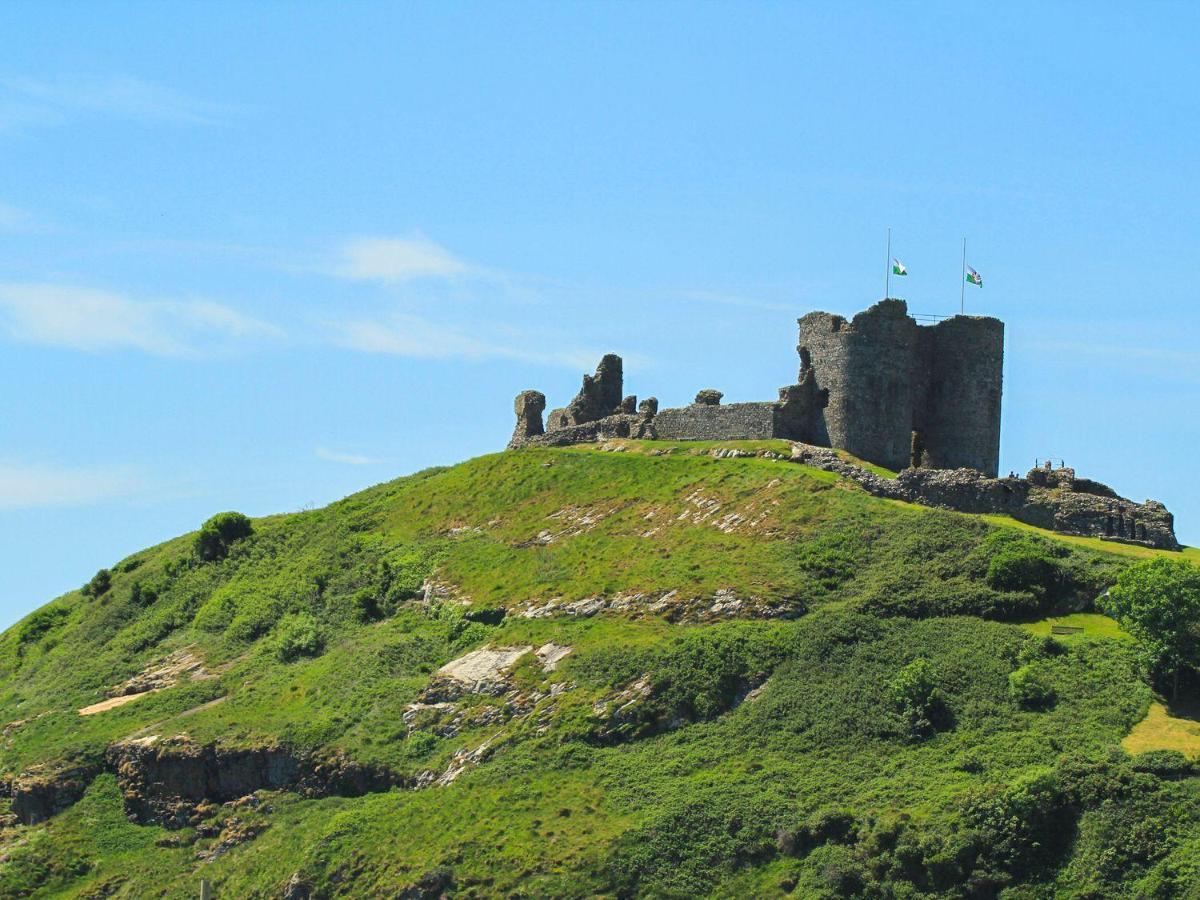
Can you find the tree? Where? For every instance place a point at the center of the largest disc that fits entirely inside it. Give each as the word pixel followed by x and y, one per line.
pixel 219 533
pixel 1158 602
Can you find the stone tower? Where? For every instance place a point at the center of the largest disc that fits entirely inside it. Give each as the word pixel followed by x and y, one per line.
pixel 901 394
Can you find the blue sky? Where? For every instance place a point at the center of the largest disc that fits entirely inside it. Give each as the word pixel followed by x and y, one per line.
pixel 257 257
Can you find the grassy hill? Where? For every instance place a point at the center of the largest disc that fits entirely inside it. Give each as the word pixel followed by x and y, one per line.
pixel 775 685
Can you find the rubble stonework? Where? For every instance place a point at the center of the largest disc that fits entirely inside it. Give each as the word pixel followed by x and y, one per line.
pixel 1053 499
pixel 924 399
pixel 529 406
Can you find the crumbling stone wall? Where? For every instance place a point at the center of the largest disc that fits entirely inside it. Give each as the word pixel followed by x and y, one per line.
pixel 700 422
pixel 1050 499
pixel 600 396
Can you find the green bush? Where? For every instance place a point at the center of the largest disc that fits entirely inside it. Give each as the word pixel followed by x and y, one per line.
pixel 41 623
pixel 1025 566
pixel 1164 764
pixel 297 635
pixel 1158 602
pixel 1030 688
pixel 917 704
pixel 221 532
pixel 99 584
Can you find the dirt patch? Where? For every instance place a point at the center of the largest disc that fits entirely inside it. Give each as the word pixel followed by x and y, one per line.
pixel 165 673
pixel 111 703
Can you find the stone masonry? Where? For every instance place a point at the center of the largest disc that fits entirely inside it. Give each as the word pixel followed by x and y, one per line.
pixel 901 394
pixel 924 399
pixel 879 386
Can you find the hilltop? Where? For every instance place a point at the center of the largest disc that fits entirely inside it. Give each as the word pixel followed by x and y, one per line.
pixel 627 669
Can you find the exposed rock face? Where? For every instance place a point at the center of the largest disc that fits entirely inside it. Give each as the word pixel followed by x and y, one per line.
pixel 1048 498
pixel 164 780
pixel 529 407
pixel 37 795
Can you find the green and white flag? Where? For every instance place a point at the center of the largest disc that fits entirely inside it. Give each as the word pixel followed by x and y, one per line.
pixel 974 277
pixel 898 267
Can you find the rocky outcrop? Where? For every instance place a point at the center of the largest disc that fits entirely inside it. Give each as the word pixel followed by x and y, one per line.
pixel 164 780
pixel 1053 499
pixel 38 794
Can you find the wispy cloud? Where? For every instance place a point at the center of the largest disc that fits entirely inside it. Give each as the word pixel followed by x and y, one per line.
pixel 26 485
pixel 404 334
pixel 349 459
pixel 18 221
pixel 37 101
pixel 394 260
pixel 86 319
pixel 735 300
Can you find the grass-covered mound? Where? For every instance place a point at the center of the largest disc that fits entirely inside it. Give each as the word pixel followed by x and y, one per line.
pixel 784 686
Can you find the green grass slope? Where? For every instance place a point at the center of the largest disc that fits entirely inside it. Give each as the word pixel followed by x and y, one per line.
pixel 736 716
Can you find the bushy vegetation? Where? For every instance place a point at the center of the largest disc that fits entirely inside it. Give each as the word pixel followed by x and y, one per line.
pixel 1158 602
pixel 916 732
pixel 220 533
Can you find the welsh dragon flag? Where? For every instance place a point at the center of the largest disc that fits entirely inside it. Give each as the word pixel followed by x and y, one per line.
pixel 898 267
pixel 974 277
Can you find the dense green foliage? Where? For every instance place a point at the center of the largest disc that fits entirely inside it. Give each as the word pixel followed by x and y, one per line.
pixel 892 730
pixel 220 533
pixel 1158 601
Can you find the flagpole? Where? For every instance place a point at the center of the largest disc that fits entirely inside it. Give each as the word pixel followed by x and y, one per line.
pixel 887 268
pixel 962 284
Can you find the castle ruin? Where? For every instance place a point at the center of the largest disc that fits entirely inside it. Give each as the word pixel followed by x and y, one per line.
pixel 878 386
pixel 881 387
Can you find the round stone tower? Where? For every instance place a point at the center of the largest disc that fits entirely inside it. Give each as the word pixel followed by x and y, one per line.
pixel 901 394
pixel 962 363
pixel 867 365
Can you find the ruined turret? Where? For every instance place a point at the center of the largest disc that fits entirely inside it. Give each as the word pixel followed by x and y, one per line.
pixel 528 406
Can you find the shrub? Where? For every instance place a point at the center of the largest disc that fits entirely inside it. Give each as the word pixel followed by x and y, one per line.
pixel 297 635
pixel 1030 688
pixel 1167 764
pixel 99 584
pixel 41 623
pixel 1024 566
pixel 488 615
pixel 917 704
pixel 221 532
pixel 1024 825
